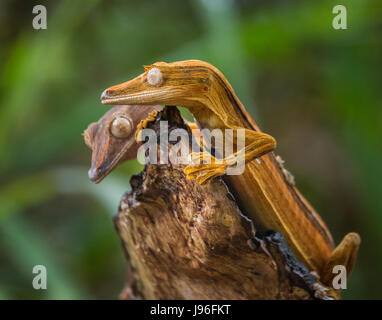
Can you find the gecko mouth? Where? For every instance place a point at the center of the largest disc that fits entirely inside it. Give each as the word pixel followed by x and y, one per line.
pixel 98 173
pixel 146 97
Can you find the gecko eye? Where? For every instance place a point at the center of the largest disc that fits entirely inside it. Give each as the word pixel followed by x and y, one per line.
pixel 154 77
pixel 121 127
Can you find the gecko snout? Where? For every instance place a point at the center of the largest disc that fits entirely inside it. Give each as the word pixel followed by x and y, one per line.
pixel 95 174
pixel 110 96
pixel 105 94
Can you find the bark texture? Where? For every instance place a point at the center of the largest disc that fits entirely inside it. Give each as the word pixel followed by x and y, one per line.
pixel 184 241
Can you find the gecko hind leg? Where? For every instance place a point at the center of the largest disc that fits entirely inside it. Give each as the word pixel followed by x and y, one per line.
pixel 344 254
pixel 256 144
pixel 144 123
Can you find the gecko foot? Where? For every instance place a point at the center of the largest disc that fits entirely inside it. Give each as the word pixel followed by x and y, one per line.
pixel 321 291
pixel 204 173
pixel 324 293
pixel 144 123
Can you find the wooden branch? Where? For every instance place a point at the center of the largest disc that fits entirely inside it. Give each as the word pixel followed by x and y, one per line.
pixel 184 241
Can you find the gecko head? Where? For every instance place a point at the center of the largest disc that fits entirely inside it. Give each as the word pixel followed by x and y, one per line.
pixel 181 83
pixel 112 138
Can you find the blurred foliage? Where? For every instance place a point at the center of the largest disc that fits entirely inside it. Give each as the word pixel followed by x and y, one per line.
pixel 317 90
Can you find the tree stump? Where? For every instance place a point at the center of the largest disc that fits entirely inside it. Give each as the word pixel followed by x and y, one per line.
pixel 184 241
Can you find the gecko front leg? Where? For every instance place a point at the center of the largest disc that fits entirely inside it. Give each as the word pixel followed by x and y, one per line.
pixel 144 123
pixel 256 144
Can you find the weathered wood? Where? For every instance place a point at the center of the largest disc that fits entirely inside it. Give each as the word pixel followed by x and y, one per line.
pixel 185 241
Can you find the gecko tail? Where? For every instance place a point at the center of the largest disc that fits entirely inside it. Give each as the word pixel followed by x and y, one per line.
pixel 345 254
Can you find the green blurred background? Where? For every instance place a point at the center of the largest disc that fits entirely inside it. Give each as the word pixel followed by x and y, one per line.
pixel 316 89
